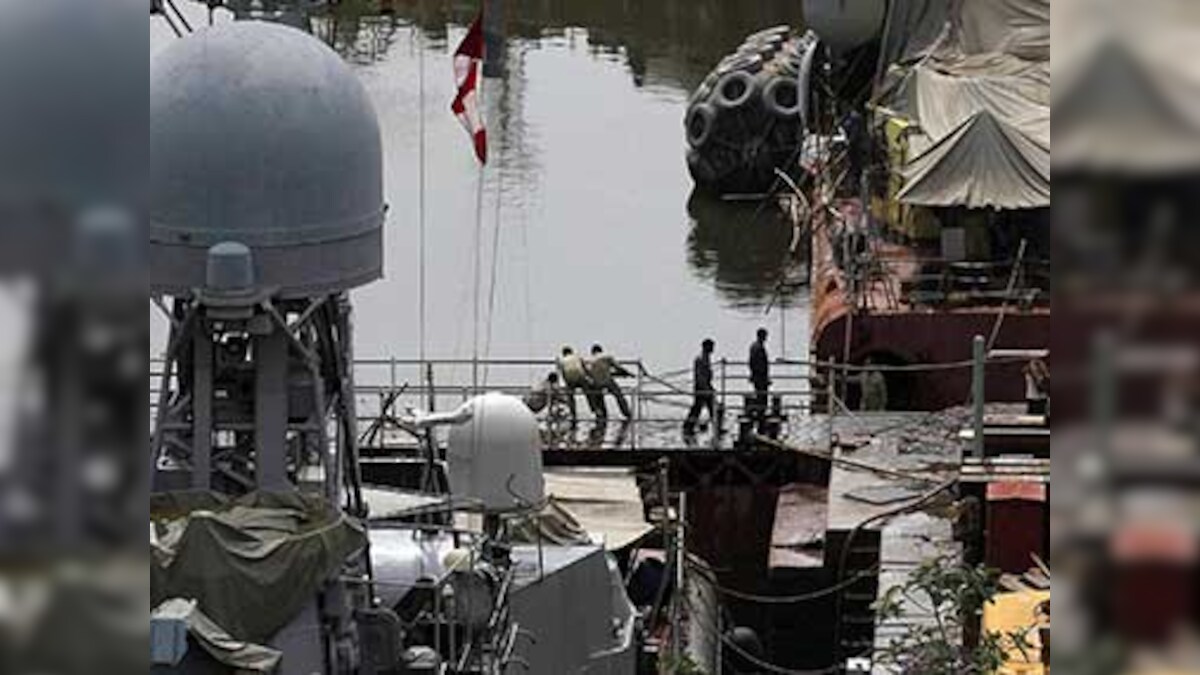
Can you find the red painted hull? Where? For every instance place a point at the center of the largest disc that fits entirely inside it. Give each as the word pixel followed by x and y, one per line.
pixel 900 334
pixel 933 338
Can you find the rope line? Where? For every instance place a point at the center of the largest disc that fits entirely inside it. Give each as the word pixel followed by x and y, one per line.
pixel 903 475
pixel 790 599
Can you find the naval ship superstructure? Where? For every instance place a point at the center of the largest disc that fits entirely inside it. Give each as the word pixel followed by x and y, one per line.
pixel 270 555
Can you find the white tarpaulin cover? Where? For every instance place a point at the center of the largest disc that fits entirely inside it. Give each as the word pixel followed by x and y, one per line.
pixel 984 163
pixel 1017 27
pixel 980 98
pixel 942 95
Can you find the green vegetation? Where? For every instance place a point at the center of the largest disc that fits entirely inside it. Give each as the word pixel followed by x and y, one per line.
pixel 954 595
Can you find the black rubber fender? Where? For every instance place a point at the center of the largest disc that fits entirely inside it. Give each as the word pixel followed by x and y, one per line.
pixel 766 50
pixel 751 63
pixel 781 30
pixel 782 97
pixel 699 123
pixel 734 89
pixel 768 44
pixel 701 169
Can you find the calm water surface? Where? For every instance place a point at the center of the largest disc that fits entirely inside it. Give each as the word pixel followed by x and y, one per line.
pixel 590 229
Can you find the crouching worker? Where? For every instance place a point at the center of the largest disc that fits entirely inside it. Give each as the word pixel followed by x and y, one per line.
pixel 543 394
pixel 574 374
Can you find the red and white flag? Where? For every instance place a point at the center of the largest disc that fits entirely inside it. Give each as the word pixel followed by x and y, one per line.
pixel 466 76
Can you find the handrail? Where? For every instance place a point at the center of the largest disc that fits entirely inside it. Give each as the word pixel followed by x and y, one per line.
pixel 656 402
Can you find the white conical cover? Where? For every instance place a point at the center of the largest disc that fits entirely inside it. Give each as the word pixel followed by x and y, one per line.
pixel 495 458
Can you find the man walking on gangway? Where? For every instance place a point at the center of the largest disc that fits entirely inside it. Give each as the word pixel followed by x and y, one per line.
pixel 704 395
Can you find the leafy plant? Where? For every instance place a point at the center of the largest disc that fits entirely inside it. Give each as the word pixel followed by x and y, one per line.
pixel 952 595
pixel 669 665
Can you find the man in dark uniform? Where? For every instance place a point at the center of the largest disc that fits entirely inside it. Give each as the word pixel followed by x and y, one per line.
pixel 760 375
pixel 703 393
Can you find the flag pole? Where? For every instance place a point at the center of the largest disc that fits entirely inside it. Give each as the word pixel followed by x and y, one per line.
pixel 478 227
pixel 420 44
pixel 478 273
pixel 469 107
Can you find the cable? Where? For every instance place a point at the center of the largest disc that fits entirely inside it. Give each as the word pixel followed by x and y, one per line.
pixel 766 665
pixel 421 269
pixel 910 367
pixel 171 24
pixel 846 546
pixel 1012 282
pixel 791 599
pixel 903 475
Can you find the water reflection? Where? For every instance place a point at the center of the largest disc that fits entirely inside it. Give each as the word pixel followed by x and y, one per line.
pixel 585 236
pixel 293 13
pixel 744 251
pixel 671 43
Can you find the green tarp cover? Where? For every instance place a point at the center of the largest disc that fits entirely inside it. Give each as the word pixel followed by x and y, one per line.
pixel 244 656
pixel 552 525
pixel 251 563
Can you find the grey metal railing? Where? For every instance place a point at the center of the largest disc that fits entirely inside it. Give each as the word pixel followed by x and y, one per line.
pixel 385 387
pixel 654 397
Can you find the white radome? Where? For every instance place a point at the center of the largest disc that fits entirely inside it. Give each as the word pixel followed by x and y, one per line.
pixel 495 457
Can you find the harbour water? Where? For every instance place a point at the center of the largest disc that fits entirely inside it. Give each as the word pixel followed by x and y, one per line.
pixel 590 231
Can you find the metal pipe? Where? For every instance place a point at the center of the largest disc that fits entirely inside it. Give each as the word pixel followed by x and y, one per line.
pixel 677 606
pixel 830 405
pixel 979 356
pixel 641 369
pixel 202 411
pixel 431 401
pixel 723 383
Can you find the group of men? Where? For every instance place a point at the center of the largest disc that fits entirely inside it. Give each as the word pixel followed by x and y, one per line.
pixel 596 376
pixel 704 394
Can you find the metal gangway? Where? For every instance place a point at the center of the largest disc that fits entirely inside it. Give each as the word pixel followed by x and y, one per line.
pixel 807 401
pixel 385 388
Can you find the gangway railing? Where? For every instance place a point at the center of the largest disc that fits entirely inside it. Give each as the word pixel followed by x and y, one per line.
pixel 658 400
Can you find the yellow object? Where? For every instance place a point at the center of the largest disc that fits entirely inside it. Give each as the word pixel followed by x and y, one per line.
pixel 895 129
pixel 914 222
pixel 1018 612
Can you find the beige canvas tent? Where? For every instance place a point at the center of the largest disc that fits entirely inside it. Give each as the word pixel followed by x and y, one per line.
pixel 977 98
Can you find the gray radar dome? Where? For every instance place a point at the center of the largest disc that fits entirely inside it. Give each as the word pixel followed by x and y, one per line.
pixel 261 135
